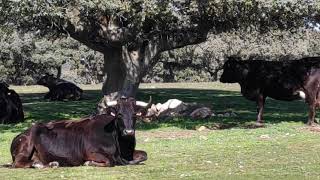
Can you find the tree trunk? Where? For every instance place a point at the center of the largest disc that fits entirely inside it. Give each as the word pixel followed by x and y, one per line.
pixel 124 69
pixel 115 72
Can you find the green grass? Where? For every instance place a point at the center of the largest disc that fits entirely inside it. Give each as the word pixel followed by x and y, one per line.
pixel 284 149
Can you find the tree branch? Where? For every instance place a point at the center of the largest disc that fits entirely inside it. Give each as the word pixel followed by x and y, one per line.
pixel 179 38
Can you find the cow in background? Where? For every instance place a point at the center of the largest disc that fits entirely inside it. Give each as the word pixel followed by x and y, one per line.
pixel 105 139
pixel 282 80
pixel 60 89
pixel 11 110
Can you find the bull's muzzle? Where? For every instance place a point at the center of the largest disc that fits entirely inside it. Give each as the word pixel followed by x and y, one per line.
pixel 128 132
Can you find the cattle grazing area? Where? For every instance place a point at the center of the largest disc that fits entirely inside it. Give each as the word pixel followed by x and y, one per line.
pixel 185 148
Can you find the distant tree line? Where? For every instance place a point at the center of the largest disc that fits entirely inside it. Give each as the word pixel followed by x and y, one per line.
pixel 24 58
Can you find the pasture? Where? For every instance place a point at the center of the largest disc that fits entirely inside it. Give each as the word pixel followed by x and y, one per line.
pixel 284 149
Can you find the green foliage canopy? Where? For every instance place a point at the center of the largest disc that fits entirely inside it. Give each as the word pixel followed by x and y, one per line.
pixel 128 20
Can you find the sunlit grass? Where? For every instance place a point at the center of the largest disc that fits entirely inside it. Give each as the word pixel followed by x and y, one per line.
pixel 284 149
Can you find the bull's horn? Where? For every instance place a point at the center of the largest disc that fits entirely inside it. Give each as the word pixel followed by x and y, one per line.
pixel 144 104
pixel 111 103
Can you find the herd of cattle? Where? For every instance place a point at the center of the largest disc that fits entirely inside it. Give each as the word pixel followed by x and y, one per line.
pixel 107 138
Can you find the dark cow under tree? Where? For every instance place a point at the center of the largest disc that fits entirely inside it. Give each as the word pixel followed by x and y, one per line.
pixel 282 80
pixel 11 110
pixel 60 89
pixel 103 140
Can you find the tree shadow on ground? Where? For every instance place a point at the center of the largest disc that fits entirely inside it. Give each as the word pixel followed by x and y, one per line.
pixel 39 110
pixel 225 101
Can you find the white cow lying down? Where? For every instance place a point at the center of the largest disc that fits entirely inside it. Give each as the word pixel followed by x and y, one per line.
pixel 175 107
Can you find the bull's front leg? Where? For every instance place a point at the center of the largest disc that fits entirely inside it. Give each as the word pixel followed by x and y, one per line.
pixel 22 161
pixel 260 108
pixel 312 114
pixel 98 160
pixel 138 157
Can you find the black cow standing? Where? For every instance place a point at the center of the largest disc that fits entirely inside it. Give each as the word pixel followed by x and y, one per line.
pixel 60 89
pixel 103 140
pixel 282 80
pixel 11 110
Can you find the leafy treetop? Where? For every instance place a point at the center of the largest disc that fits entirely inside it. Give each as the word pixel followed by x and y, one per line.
pixel 104 23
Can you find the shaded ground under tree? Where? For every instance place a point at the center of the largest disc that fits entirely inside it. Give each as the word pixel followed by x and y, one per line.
pixel 39 110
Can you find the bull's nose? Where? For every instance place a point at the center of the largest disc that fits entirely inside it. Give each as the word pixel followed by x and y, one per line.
pixel 128 132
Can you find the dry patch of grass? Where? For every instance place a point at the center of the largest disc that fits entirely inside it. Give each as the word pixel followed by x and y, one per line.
pixel 315 129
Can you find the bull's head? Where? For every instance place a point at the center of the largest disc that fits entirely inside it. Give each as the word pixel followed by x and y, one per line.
pixel 126 112
pixel 4 87
pixel 46 80
pixel 234 71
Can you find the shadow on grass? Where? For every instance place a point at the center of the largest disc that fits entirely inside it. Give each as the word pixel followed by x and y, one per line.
pixel 39 110
pixel 221 101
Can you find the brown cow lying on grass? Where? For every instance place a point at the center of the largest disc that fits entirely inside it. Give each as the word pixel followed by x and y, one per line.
pixel 103 140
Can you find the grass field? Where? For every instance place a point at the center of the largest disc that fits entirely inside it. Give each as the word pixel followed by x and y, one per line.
pixel 284 149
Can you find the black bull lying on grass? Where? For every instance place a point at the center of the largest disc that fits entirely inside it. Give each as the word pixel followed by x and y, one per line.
pixel 11 110
pixel 106 139
pixel 281 80
pixel 60 89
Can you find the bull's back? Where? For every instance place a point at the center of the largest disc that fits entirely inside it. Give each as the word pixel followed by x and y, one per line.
pixel 67 90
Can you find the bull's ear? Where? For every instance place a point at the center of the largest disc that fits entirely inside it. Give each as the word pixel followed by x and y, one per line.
pixel 141 112
pixel 110 111
pixel 245 72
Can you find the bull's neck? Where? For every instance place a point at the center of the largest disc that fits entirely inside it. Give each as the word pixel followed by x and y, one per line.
pixel 51 86
pixel 127 145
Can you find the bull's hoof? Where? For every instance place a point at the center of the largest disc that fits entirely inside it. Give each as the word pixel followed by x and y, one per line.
pixel 54 164
pixel 312 124
pixel 38 165
pixel 257 125
pixel 88 163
